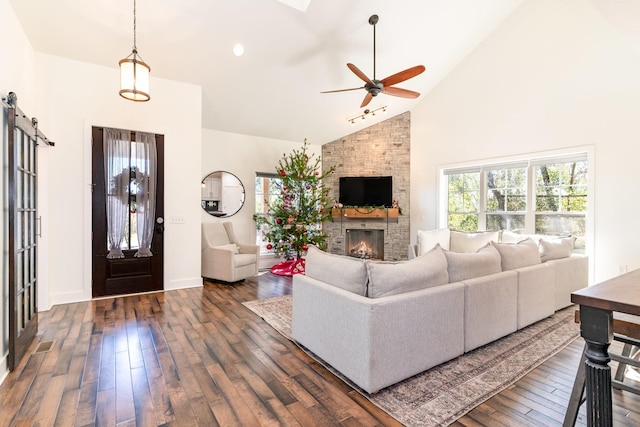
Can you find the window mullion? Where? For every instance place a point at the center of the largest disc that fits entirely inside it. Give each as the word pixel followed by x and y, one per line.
pixel 530 214
pixel 482 208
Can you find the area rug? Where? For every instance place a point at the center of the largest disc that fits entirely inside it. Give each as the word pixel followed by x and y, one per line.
pixel 441 395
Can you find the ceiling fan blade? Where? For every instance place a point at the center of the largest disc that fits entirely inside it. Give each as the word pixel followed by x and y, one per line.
pixel 403 75
pixel 402 93
pixel 367 99
pixel 342 90
pixel 359 73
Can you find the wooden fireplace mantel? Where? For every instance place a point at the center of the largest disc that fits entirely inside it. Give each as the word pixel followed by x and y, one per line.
pixel 389 214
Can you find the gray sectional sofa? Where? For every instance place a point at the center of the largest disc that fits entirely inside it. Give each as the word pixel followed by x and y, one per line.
pixel 379 322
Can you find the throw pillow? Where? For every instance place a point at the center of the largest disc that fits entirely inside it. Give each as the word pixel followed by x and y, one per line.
pixel 462 266
pixel 509 236
pixel 341 271
pixel 471 242
pixel 229 247
pixel 517 255
pixel 391 278
pixel 428 240
pixel 560 247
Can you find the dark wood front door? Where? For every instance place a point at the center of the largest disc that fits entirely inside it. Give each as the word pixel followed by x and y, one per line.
pixel 129 274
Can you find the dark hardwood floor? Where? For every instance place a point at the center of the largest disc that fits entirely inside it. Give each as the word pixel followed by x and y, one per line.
pixel 199 357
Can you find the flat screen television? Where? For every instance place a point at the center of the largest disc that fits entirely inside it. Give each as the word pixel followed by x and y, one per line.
pixel 366 191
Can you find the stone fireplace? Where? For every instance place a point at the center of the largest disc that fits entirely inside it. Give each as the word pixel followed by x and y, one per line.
pixel 379 150
pixel 365 244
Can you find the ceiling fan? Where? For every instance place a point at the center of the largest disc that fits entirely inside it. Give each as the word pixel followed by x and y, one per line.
pixel 374 86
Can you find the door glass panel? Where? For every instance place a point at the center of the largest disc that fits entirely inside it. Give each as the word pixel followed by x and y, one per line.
pixel 32 192
pixel 130 238
pixel 32 155
pixel 32 228
pixel 19 319
pixel 28 268
pixel 27 227
pixel 19 190
pixel 20 146
pixel 19 280
pixel 18 232
pixel 23 150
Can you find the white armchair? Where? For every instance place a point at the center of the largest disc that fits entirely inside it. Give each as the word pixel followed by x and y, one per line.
pixel 223 258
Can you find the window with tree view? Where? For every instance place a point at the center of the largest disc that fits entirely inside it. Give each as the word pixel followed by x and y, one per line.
pixel 536 196
pixel 506 203
pixel 268 189
pixel 561 199
pixel 464 200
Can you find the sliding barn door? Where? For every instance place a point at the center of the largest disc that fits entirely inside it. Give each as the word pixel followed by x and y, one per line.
pixel 22 243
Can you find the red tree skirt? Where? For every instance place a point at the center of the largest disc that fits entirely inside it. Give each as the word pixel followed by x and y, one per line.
pixel 289 267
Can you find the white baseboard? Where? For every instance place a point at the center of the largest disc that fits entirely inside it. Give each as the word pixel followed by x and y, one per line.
pixel 67 298
pixel 4 370
pixel 265 262
pixel 184 283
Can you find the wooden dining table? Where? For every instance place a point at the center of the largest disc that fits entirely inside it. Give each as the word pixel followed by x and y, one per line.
pixel 597 305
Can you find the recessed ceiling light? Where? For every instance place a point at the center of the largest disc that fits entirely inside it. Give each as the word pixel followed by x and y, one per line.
pixel 238 49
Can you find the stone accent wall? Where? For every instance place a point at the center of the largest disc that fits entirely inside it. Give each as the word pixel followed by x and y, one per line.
pixel 380 150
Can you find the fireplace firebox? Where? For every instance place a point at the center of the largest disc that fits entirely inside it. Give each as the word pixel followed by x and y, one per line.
pixel 366 244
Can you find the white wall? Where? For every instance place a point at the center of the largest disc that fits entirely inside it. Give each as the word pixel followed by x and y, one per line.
pixel 554 75
pixel 243 156
pixel 84 95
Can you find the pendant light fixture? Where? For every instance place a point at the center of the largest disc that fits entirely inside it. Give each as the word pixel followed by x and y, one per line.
pixel 134 73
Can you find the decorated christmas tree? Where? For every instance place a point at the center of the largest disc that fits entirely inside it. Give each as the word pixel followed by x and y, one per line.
pixel 294 220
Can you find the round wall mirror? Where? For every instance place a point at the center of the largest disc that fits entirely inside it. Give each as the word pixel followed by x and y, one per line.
pixel 222 194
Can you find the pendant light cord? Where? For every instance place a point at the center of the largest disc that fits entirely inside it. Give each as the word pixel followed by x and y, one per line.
pixel 135 49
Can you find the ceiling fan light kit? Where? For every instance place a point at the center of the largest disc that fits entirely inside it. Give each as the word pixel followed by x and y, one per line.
pixel 365 113
pixel 375 86
pixel 134 73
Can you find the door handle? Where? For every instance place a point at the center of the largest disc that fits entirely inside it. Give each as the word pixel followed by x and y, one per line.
pixel 159 225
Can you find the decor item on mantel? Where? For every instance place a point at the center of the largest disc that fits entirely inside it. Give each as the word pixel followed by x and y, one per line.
pixel 295 218
pixel 346 213
pixel 134 73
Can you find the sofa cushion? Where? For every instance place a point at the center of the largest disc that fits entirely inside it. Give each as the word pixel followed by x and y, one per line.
pixel 470 242
pixel 517 255
pixel 462 266
pixel 391 278
pixel 560 247
pixel 428 240
pixel 344 272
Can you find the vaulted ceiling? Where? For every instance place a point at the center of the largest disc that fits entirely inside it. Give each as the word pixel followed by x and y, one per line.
pixel 294 49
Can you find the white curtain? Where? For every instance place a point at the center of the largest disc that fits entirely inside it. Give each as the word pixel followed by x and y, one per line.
pixel 117 153
pixel 145 167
